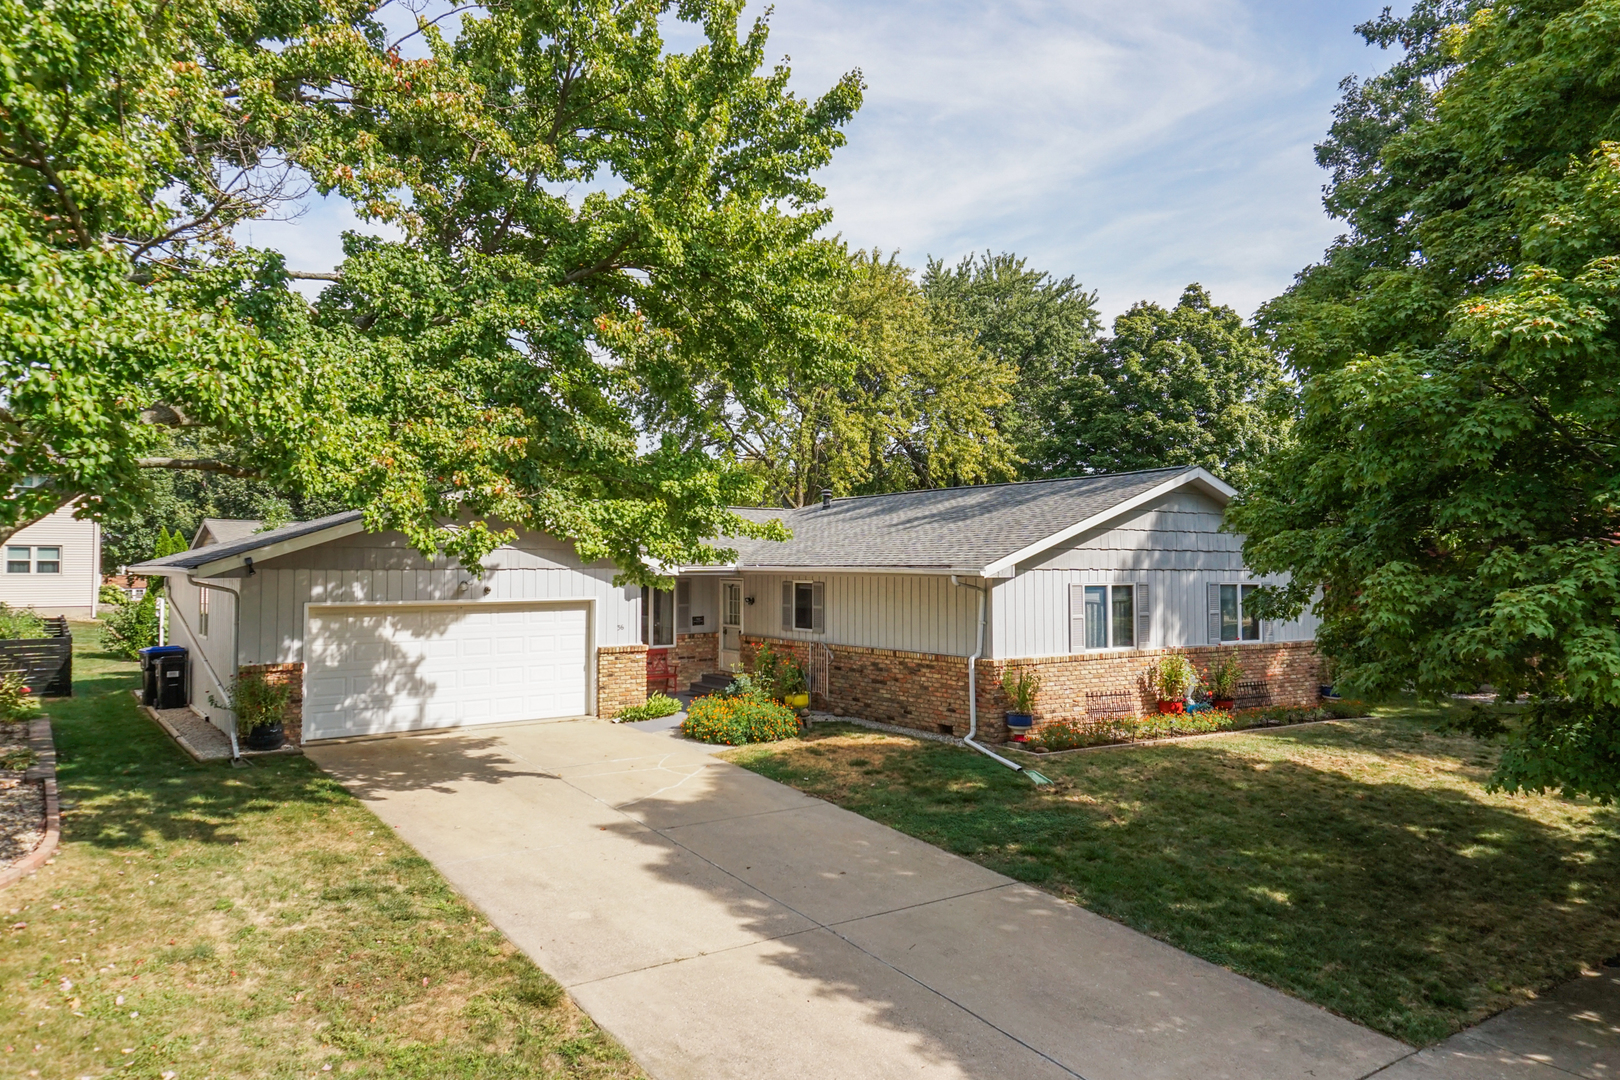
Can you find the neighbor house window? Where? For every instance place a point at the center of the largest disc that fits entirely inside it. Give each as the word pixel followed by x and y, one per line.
pixel 802 606
pixel 47 560
pixel 1231 614
pixel 1108 617
pixel 202 612
pixel 657 617
pixel 17 560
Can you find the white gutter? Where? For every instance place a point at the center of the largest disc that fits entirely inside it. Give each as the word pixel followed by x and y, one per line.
pixel 973 684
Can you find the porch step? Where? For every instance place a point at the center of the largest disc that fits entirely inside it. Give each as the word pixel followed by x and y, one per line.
pixel 710 683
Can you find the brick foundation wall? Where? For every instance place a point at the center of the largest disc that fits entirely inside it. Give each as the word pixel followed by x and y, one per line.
pixel 695 656
pixel 928 691
pixel 621 678
pixel 291 675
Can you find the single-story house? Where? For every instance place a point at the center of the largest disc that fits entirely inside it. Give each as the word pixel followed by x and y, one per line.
pixel 54 566
pixel 885 598
pixel 224 530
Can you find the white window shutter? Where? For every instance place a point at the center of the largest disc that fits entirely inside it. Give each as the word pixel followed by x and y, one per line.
pixel 683 605
pixel 1077 618
pixel 1144 618
pixel 787 605
pixel 1214 614
pixel 817 616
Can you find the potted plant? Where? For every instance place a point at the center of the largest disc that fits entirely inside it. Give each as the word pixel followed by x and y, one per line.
pixel 1021 686
pixel 259 706
pixel 791 684
pixel 1172 678
pixel 1220 683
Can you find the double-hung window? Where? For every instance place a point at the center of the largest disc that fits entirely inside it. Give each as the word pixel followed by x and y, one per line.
pixel 1108 617
pixel 202 611
pixel 803 606
pixel 657 617
pixel 38 560
pixel 1231 615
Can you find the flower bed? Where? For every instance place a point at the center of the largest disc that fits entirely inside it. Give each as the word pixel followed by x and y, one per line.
pixel 1076 734
pixel 745 718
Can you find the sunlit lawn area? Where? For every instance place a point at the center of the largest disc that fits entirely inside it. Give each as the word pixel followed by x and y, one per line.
pixel 214 922
pixel 1358 864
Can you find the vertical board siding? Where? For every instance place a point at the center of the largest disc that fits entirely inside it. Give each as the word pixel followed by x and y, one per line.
pixel 907 612
pixel 1175 547
pixel 382 568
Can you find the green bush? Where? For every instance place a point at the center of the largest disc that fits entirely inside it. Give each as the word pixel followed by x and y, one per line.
pixel 739 719
pixel 20 623
pixel 132 627
pixel 15 704
pixel 657 705
pixel 256 701
pixel 1073 734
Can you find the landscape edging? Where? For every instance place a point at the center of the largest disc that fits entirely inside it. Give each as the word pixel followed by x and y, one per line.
pixel 43 744
pixel 1168 739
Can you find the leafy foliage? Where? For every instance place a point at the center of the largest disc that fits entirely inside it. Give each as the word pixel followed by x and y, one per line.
pixel 256 701
pixel 15 704
pixel 1046 329
pixel 739 719
pixel 655 706
pixel 1172 675
pixel 18 622
pixel 1021 685
pixel 132 625
pixel 1190 385
pixel 1454 492
pixel 776 675
pixel 916 405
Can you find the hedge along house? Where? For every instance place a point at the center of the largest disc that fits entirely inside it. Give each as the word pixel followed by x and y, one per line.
pixel 1086 580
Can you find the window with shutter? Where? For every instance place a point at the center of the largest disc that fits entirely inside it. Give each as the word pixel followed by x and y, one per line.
pixel 1144 619
pixel 787 605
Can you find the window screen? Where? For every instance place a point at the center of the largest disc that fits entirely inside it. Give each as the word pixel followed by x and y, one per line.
pixel 1229 613
pixel 48 560
pixel 657 617
pixel 17 560
pixel 1096 616
pixel 1122 634
pixel 1251 623
pixel 804 611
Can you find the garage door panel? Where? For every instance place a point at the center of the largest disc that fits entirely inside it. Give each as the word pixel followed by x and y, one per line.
pixel 423 667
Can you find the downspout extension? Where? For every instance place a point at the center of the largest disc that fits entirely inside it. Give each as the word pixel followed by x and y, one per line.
pixel 973 693
pixel 236 654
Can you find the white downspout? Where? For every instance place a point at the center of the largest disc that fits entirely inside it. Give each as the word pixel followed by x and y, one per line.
pixel 236 652
pixel 973 684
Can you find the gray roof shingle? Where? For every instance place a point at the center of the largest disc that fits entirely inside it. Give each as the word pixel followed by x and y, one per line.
pixel 195 557
pixel 955 528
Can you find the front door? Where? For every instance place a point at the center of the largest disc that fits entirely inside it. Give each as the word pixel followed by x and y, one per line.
pixel 731 605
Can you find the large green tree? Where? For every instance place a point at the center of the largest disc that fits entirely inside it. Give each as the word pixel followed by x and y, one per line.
pixel 917 407
pixel 589 219
pixel 1454 487
pixel 1188 385
pixel 1046 329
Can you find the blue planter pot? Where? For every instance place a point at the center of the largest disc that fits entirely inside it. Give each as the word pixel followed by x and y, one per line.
pixel 1020 720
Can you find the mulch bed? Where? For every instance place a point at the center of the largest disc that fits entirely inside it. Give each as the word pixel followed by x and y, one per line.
pixel 22 802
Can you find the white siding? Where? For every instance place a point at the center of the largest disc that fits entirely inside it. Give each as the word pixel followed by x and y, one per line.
pixel 74 590
pixel 1174 546
pixel 383 567
pixel 908 612
pixel 211 655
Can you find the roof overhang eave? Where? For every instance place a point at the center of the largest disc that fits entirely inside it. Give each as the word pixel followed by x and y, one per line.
pixel 229 563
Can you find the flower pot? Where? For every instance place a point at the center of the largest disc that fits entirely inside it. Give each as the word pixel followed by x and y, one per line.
pixel 264 737
pixel 1224 704
pixel 796 701
pixel 1327 691
pixel 1169 707
pixel 1020 721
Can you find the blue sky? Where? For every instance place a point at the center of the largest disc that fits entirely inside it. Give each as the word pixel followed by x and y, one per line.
pixel 1136 144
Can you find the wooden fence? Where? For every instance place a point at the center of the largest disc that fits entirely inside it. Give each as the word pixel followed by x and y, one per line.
pixel 45 664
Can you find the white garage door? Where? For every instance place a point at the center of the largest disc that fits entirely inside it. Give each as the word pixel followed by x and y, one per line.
pixel 402 668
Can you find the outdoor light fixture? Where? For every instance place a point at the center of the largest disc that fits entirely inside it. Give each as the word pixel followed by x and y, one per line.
pixel 749 600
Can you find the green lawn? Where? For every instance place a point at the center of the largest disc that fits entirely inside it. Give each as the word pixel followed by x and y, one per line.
pixel 1360 865
pixel 206 921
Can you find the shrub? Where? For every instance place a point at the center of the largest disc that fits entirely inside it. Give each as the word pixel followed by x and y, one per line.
pixel 256 701
pixel 15 704
pixel 111 594
pixel 1221 680
pixel 20 623
pixel 1021 685
pixel 657 705
pixel 1173 676
pixel 774 675
pixel 738 719
pixel 131 627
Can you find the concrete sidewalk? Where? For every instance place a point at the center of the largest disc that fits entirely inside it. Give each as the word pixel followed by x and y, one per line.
pixel 722 925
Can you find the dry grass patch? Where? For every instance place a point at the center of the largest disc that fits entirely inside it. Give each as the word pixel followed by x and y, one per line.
pixel 1360 865
pixel 210 922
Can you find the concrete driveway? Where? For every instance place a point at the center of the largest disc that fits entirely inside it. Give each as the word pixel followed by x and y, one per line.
pixel 723 925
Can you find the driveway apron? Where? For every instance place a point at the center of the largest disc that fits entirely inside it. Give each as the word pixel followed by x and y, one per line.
pixel 722 925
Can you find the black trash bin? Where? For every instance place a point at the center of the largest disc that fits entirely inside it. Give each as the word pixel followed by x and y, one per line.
pixel 163 677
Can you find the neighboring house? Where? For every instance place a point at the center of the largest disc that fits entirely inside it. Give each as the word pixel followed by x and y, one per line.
pixel 224 531
pixel 885 598
pixel 54 566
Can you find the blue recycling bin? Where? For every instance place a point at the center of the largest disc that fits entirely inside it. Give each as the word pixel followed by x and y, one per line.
pixel 163 676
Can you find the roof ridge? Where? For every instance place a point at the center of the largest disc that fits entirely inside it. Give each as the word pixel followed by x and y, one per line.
pixel 977 487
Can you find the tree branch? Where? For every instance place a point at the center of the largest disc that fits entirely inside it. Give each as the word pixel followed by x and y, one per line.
pixel 212 465
pixel 311 275
pixel 610 261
